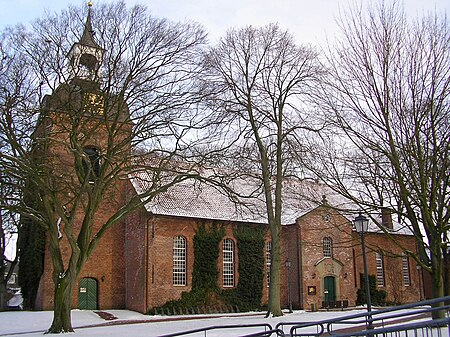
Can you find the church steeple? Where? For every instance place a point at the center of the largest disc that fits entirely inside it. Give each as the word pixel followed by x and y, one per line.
pixel 87 38
pixel 86 55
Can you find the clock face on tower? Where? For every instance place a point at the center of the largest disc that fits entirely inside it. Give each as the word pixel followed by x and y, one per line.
pixel 94 103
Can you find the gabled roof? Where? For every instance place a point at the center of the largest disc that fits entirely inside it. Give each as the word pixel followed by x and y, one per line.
pixel 197 199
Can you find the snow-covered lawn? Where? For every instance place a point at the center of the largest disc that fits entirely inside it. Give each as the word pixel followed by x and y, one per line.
pixel 86 323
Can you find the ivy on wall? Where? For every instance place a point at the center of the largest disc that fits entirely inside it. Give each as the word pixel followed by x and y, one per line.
pixel 248 293
pixel 206 253
pixel 204 276
pixel 31 260
pixel 205 289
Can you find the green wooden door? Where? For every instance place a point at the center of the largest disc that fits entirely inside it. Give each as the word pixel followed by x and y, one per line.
pixel 329 289
pixel 87 294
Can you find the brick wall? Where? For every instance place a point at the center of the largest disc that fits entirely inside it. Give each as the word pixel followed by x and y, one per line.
pixel 136 272
pixel 313 227
pixel 397 291
pixel 160 252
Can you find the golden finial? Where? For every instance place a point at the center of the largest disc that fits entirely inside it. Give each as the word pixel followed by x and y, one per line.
pixel 90 3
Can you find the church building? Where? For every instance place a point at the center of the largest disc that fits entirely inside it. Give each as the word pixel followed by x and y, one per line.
pixel 149 259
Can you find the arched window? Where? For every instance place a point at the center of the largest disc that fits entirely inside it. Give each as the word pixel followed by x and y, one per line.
pixel 91 163
pixel 380 269
pixel 179 261
pixel 327 247
pixel 228 263
pixel 405 270
pixel 268 260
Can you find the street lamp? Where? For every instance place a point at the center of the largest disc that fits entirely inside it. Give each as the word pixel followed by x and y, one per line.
pixel 362 226
pixel 288 267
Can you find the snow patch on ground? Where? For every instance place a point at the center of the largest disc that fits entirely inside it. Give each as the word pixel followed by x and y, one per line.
pixel 88 323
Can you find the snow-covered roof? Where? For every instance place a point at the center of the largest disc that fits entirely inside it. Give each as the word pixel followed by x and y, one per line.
pixel 198 199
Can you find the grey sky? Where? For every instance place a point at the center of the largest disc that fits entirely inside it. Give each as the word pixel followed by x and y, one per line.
pixel 310 21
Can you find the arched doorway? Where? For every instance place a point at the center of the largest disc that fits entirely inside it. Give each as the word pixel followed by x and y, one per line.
pixel 329 289
pixel 87 294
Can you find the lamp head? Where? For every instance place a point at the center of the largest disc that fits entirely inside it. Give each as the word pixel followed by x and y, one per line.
pixel 361 223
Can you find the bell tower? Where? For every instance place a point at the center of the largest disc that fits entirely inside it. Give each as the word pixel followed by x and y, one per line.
pixel 86 55
pixel 85 132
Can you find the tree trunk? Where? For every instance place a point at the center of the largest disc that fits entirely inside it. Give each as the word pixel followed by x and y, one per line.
pixel 437 285
pixel 3 295
pixel 61 311
pixel 446 273
pixel 274 306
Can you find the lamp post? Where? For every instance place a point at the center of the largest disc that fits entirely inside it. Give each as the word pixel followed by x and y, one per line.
pixel 288 267
pixel 362 225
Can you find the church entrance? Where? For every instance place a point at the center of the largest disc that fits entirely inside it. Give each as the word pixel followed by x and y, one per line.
pixel 87 294
pixel 329 289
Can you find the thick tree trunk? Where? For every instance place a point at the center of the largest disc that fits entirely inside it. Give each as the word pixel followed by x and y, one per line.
pixel 61 311
pixel 437 281
pixel 275 275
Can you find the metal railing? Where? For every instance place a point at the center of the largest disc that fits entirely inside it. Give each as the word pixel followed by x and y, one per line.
pixel 430 328
pixel 380 319
pixel 266 326
pixel 388 322
pixel 267 333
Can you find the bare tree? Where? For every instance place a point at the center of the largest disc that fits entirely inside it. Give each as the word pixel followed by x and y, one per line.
pixel 259 81
pixel 16 96
pixel 388 94
pixel 9 226
pixel 121 107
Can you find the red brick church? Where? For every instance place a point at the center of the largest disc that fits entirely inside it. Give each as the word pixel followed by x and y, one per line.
pixel 148 260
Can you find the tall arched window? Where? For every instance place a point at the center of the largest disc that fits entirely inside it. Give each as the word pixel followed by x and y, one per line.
pixel 179 261
pixel 405 270
pixel 91 163
pixel 228 263
pixel 380 269
pixel 327 247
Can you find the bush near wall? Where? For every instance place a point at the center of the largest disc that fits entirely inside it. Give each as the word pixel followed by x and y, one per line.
pixel 377 297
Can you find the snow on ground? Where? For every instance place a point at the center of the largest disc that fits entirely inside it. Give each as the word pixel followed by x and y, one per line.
pixel 85 322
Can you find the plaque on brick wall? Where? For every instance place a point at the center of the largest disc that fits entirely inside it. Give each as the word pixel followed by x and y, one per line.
pixel 311 290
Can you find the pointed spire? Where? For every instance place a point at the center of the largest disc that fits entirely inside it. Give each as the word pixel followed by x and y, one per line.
pixel 87 38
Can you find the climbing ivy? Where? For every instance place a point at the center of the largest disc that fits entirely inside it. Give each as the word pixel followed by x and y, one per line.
pixel 31 260
pixel 206 253
pixel 204 276
pixel 205 290
pixel 250 242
